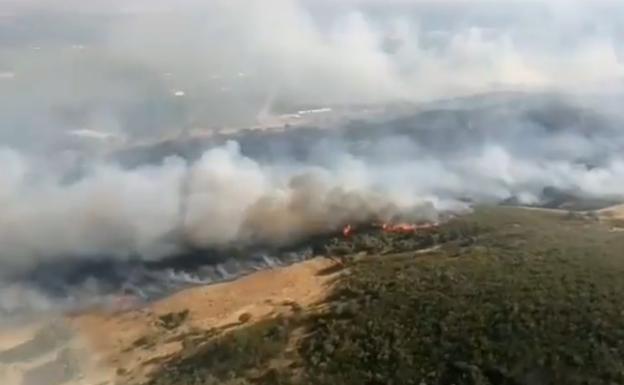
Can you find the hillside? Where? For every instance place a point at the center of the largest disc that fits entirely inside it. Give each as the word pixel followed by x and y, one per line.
pixel 500 296
pixel 510 296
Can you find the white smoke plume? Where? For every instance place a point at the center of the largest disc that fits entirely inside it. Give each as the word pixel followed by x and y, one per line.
pixel 139 70
pixel 129 213
pixel 226 198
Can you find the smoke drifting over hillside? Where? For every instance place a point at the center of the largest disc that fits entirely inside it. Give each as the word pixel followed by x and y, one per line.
pixel 255 191
pixel 142 69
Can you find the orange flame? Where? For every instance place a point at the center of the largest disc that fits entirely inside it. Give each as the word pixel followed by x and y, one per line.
pixel 347 231
pixel 401 228
pixel 407 228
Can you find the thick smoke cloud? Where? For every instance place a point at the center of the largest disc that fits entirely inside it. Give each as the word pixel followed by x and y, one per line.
pixel 484 149
pixel 138 71
pixel 148 212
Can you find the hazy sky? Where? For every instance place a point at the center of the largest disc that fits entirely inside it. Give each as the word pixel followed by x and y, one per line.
pixel 115 65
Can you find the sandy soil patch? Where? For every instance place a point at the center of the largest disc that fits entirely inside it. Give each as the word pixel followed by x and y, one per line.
pixel 114 337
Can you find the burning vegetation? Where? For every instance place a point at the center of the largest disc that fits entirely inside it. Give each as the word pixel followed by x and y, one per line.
pixel 508 296
pixel 396 228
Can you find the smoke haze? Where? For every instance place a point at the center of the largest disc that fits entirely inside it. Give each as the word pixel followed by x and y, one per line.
pixel 116 66
pixel 256 191
pixel 547 75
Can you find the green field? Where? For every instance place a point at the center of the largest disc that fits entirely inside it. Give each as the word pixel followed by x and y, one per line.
pixel 504 296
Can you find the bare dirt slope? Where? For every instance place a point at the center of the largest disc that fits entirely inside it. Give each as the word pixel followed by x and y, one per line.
pixel 104 347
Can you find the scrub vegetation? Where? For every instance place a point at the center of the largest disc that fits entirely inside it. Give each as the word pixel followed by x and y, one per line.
pixel 500 296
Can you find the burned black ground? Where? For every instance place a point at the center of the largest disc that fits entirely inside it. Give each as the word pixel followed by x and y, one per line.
pixel 502 296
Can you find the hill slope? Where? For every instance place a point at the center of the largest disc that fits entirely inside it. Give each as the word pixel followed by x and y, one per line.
pixel 510 296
